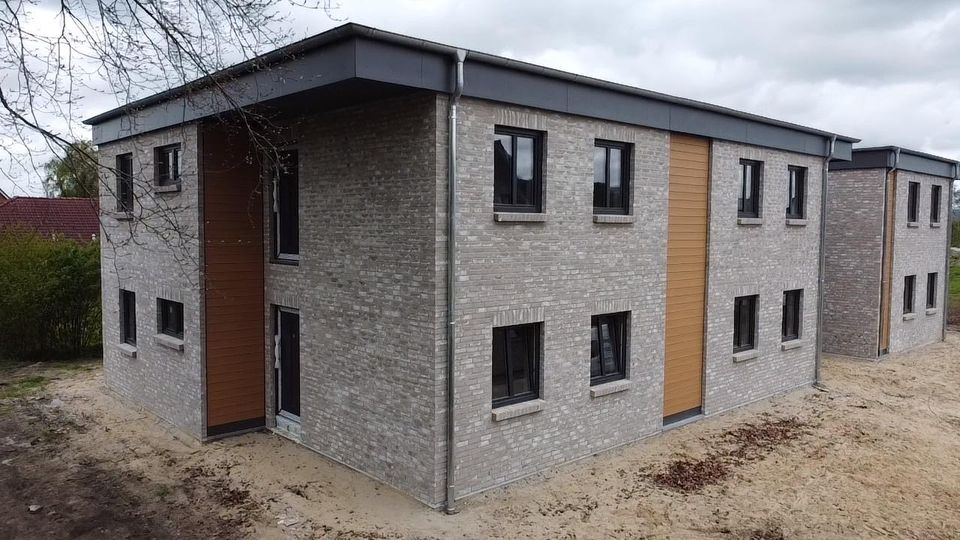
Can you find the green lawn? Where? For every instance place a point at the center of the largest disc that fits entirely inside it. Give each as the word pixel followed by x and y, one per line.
pixel 955 282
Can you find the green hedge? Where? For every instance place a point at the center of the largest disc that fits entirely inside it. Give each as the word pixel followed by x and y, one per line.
pixel 49 296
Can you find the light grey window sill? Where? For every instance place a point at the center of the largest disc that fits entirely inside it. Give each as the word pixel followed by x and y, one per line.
pixel 792 222
pixel 127 350
pixel 909 316
pixel 171 188
pixel 935 225
pixel 932 311
pixel 613 219
pixel 744 356
pixel 517 409
pixel 519 217
pixel 121 216
pixel 913 224
pixel 169 342
pixel 751 221
pixel 792 344
pixel 611 387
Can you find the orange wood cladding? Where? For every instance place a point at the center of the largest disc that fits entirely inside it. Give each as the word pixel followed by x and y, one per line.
pixel 233 259
pixel 886 279
pixel 686 273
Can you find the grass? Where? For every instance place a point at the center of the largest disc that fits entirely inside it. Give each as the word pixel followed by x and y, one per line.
pixel 23 387
pixel 955 282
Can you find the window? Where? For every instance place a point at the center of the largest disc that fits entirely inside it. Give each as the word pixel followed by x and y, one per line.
pixel 745 323
pixel 128 317
pixel 797 193
pixel 909 285
pixel 611 178
pixel 167 159
pixel 125 183
pixel 170 315
pixel 792 303
pixel 517 170
pixel 608 347
pixel 931 290
pixel 912 201
pixel 286 207
pixel 516 359
pixel 934 204
pixel 748 205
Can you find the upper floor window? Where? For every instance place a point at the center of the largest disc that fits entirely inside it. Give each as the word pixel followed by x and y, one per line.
pixel 608 347
pixel 128 317
pixel 792 302
pixel 931 290
pixel 745 323
pixel 611 178
pixel 913 202
pixel 797 193
pixel 518 182
pixel 170 318
pixel 286 207
pixel 751 174
pixel 909 286
pixel 167 163
pixel 125 183
pixel 935 204
pixel 516 361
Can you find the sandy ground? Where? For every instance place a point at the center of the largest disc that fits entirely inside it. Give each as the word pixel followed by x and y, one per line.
pixel 874 454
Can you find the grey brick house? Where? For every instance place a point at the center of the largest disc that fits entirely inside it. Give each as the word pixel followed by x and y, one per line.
pixel 609 261
pixel 886 251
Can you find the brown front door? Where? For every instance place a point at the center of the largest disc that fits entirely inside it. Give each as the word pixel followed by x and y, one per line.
pixel 686 276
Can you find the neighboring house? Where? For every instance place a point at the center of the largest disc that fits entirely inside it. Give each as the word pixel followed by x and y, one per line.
pixel 886 271
pixel 623 260
pixel 73 218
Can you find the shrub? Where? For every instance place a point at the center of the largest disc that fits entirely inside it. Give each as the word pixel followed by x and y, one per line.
pixel 49 296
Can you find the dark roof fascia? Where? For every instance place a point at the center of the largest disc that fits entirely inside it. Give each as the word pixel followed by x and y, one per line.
pixel 884 157
pixel 355 51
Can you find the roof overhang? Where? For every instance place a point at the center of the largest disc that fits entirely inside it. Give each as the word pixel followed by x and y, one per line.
pixel 885 157
pixel 369 56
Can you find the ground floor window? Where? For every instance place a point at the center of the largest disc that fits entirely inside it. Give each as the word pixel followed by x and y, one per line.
pixel 792 301
pixel 909 286
pixel 608 347
pixel 516 359
pixel 745 323
pixel 170 318
pixel 931 290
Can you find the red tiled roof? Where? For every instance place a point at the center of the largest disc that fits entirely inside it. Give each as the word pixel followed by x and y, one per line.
pixel 73 218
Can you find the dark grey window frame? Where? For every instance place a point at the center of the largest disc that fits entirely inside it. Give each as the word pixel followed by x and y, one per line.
pixel 171 326
pixel 533 333
pixel 932 279
pixel 756 189
pixel 161 166
pixel 537 185
pixel 745 331
pixel 128 317
pixel 909 293
pixel 280 222
pixel 124 171
pixel 797 201
pixel 913 202
pixel 791 326
pixel 626 177
pixel 935 193
pixel 619 323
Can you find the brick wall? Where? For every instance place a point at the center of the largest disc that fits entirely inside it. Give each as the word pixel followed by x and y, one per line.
pixel 854 262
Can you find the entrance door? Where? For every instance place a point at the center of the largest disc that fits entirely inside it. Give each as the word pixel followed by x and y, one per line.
pixel 686 276
pixel 287 362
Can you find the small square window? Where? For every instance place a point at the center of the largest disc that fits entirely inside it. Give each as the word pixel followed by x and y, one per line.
pixel 792 311
pixel 167 165
pixel 909 288
pixel 517 170
pixel 608 347
pixel 931 290
pixel 913 202
pixel 797 193
pixel 751 175
pixel 516 363
pixel 935 204
pixel 124 172
pixel 128 317
pixel 611 177
pixel 170 318
pixel 745 323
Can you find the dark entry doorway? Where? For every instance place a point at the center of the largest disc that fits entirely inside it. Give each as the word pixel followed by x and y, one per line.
pixel 287 362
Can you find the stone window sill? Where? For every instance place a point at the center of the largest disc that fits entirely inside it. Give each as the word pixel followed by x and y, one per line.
pixel 519 217
pixel 796 222
pixel 932 311
pixel 611 387
pixel 750 221
pixel 909 316
pixel 517 409
pixel 171 188
pixel 613 219
pixel 744 356
pixel 913 224
pixel 935 225
pixel 130 351
pixel 169 342
pixel 121 216
pixel 792 344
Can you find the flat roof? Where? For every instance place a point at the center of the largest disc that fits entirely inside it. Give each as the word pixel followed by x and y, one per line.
pixel 885 157
pixel 357 52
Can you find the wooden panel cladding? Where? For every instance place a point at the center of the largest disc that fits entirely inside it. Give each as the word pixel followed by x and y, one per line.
pixel 233 266
pixel 686 274
pixel 886 279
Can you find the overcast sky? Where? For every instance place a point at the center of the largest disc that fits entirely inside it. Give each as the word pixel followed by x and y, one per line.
pixel 885 71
